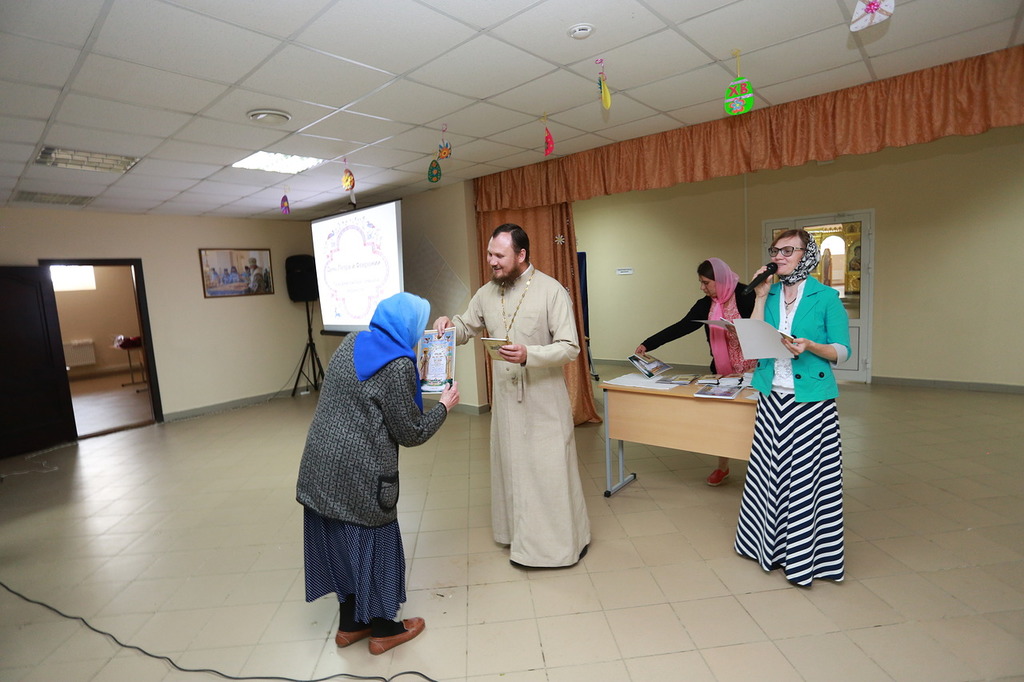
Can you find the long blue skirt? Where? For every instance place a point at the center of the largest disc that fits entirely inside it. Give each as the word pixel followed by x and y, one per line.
pixel 791 514
pixel 345 559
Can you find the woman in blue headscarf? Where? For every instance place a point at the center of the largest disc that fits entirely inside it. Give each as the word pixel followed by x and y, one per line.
pixel 370 403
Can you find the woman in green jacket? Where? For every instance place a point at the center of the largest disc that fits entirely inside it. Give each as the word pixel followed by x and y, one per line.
pixel 791 514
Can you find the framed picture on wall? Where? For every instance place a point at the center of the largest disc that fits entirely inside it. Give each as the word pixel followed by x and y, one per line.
pixel 235 272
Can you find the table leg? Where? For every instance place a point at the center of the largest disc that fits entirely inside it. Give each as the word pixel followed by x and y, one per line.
pixel 623 479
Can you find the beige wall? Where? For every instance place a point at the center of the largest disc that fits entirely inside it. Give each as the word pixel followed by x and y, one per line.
pixel 949 237
pixel 209 352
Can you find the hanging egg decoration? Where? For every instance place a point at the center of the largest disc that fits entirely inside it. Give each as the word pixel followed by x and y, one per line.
pixel 348 183
pixel 870 13
pixel 549 142
pixel 434 171
pixel 739 97
pixel 285 208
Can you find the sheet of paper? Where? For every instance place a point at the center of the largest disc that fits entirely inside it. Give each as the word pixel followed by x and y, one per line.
pixel 758 339
pixel 640 381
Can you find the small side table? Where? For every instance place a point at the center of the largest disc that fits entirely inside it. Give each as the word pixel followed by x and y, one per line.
pixel 128 344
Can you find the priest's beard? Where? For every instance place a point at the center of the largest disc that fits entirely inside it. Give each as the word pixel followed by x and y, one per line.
pixel 507 280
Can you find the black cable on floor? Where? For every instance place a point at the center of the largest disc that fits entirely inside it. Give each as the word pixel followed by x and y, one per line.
pixel 174 665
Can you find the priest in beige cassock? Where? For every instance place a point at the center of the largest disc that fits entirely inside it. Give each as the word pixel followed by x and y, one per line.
pixel 537 504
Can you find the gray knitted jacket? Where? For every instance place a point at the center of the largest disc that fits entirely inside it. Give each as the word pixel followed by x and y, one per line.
pixel 349 468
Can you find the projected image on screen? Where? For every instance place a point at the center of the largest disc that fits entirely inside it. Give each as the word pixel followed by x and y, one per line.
pixel 358 262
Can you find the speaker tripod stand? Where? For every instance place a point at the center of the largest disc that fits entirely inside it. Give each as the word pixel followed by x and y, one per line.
pixel 315 368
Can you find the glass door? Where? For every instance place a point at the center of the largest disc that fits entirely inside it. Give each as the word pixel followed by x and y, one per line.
pixel 846 243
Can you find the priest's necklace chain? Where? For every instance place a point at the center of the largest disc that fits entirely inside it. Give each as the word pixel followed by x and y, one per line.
pixel 504 318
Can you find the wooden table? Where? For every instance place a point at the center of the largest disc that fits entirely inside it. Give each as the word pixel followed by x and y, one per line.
pixel 675 419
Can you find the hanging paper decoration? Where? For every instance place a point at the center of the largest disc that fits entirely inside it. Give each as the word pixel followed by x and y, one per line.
pixel 549 141
pixel 434 171
pixel 739 96
pixel 284 205
pixel 602 85
pixel 870 13
pixel 444 150
pixel 348 183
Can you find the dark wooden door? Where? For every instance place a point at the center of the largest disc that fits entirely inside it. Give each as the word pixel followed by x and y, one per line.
pixel 35 396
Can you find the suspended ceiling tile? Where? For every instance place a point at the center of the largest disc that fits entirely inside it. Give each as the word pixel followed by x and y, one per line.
pixel 955 47
pixel 128 119
pixel 658 56
pixel 315 147
pixel 174 39
pixel 209 131
pixel 750 25
pixel 921 21
pixel 178 150
pixel 376 38
pixel 59 21
pixel 174 169
pixel 91 140
pixel 266 17
pixel 410 102
pixel 594 117
pixel 543 29
pixel 557 91
pixel 29 101
pixel 355 127
pixel 481 14
pixel 815 84
pixel 36 63
pixel 831 48
pixel 483 119
pixel 236 104
pixel 143 85
pixel 301 74
pixel 677 12
pixel 481 68
pixel 673 93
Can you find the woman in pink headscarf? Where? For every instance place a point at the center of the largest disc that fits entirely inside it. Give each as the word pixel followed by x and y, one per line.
pixel 723 300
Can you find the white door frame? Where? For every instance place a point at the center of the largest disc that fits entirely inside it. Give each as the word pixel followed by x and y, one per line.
pixel 858 366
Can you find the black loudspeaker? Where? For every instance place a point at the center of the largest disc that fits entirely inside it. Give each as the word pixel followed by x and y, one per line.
pixel 300 276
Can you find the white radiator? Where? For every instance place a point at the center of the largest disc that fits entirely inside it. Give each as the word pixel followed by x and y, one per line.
pixel 80 352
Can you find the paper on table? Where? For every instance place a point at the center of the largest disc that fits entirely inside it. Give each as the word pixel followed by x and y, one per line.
pixel 640 381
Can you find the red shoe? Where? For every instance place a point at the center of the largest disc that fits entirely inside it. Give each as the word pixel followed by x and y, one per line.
pixel 413 627
pixel 717 477
pixel 343 638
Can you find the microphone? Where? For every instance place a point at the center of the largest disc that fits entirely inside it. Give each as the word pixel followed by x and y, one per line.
pixel 769 270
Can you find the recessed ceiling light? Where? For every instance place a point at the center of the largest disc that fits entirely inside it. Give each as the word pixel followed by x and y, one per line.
pixel 269 117
pixel 277 163
pixel 79 160
pixel 581 31
pixel 49 198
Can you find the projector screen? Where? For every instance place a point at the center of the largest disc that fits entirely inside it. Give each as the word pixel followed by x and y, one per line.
pixel 358 259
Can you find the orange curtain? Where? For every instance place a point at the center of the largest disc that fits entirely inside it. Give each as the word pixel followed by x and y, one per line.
pixel 553 252
pixel 961 98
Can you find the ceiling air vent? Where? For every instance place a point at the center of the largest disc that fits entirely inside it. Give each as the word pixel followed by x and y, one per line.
pixel 79 160
pixel 46 198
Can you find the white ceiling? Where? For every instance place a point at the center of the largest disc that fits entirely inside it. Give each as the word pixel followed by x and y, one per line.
pixel 374 82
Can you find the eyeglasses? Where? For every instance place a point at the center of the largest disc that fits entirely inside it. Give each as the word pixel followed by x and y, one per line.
pixel 786 251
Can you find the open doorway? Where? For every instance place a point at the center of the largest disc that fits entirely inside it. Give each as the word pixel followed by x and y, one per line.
pixel 105 330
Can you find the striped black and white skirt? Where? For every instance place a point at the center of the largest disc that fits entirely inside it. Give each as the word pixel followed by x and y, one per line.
pixel 791 514
pixel 348 559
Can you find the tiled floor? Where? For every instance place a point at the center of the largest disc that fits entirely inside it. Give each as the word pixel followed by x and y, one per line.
pixel 185 539
pixel 109 403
